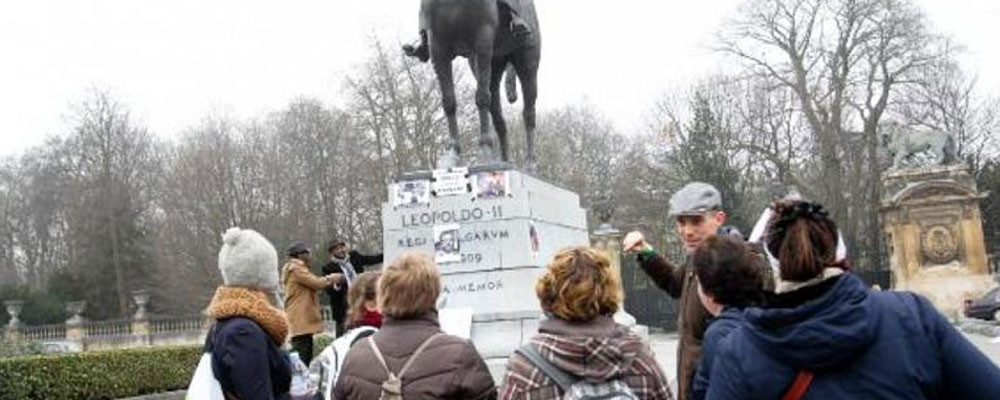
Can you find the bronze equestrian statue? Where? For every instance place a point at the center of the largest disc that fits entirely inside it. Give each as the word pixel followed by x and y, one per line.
pixel 495 36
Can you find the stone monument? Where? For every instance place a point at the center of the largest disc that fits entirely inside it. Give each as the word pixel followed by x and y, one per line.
pixel 934 234
pixel 492 230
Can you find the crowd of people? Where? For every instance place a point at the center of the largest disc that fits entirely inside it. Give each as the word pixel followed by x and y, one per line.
pixel 775 315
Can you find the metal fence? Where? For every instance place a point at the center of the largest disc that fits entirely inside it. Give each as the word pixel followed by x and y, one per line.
pixel 650 305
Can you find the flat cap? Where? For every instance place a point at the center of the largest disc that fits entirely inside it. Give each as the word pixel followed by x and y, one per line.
pixel 695 198
pixel 297 247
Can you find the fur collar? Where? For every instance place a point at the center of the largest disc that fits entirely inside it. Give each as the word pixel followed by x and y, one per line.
pixel 242 302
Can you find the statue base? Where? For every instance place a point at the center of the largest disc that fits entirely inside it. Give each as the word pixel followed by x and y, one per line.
pixel 491 236
pixel 934 232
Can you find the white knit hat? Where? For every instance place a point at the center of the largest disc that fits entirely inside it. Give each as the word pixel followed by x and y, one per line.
pixel 248 259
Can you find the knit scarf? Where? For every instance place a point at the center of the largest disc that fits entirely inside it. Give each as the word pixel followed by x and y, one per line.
pixel 350 274
pixel 232 301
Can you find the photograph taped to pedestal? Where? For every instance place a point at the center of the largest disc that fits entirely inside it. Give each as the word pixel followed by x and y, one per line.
pixel 535 241
pixel 492 184
pixel 450 182
pixel 446 244
pixel 411 193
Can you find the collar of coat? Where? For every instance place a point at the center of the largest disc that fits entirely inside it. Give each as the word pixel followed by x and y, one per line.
pixel 232 301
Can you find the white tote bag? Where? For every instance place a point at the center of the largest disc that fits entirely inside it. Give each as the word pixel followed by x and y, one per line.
pixel 204 386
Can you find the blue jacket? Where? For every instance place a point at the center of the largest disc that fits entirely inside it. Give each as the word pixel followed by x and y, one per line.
pixel 718 328
pixel 246 361
pixel 860 345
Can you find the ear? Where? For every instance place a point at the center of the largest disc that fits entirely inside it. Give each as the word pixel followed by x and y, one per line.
pixel 720 217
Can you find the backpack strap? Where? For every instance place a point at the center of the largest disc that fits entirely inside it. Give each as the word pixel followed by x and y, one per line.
pixel 417 353
pixel 799 386
pixel 378 355
pixel 563 379
pixel 381 360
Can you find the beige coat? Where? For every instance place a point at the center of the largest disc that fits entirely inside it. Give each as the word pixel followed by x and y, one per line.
pixel 302 298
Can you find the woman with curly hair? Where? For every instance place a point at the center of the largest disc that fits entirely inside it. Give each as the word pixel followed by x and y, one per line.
pixel 580 293
pixel 826 336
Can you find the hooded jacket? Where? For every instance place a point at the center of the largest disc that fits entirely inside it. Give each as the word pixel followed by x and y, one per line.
pixel 859 344
pixel 246 357
pixel 718 329
pixel 599 351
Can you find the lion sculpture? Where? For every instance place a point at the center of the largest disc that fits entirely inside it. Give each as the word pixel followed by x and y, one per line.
pixel 904 144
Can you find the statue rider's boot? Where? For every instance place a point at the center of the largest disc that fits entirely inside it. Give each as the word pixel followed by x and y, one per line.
pixel 420 51
pixel 519 28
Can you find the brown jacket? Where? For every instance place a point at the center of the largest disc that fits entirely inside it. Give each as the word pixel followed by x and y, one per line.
pixel 302 298
pixel 449 368
pixel 692 317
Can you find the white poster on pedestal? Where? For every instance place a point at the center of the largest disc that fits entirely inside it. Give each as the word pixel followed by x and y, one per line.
pixel 446 244
pixel 492 184
pixel 450 182
pixel 411 193
pixel 456 321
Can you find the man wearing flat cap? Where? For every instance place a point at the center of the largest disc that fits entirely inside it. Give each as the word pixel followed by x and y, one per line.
pixel 350 263
pixel 697 212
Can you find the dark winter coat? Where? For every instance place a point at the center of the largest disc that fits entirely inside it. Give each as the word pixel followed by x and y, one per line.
pixel 859 344
pixel 598 351
pixel 718 328
pixel 338 294
pixel 448 368
pixel 247 362
pixel 692 317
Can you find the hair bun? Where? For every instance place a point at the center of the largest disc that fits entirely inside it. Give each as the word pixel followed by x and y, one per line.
pixel 232 236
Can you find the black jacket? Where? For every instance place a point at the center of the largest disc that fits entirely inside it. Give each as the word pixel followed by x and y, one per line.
pixel 338 297
pixel 246 361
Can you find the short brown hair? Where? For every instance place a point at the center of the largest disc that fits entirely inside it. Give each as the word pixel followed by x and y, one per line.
pixel 579 285
pixel 361 290
pixel 729 272
pixel 409 286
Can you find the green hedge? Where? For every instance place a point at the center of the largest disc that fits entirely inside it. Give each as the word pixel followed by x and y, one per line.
pixel 99 375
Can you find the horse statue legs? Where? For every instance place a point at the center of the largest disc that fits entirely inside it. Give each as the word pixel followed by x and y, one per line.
pixel 441 57
pixel 525 65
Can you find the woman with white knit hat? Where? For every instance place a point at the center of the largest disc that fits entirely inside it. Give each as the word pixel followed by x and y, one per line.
pixel 250 325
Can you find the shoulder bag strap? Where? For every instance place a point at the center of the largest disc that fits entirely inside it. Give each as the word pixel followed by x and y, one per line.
pixel 563 379
pixel 799 386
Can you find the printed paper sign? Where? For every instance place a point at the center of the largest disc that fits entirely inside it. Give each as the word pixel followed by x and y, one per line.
pixel 446 244
pixel 492 184
pixel 456 321
pixel 411 193
pixel 450 182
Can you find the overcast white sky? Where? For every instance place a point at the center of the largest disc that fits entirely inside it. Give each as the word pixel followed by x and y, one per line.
pixel 174 61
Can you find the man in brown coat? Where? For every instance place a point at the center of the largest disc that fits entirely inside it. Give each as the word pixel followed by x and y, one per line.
pixel 697 211
pixel 302 299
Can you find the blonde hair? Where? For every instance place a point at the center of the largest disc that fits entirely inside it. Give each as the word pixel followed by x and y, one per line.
pixel 363 289
pixel 409 286
pixel 579 285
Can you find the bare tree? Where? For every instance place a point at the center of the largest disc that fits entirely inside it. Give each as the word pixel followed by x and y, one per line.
pixel 843 60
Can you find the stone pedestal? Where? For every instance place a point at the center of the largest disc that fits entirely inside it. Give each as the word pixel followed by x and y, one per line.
pixel 504 243
pixel 934 232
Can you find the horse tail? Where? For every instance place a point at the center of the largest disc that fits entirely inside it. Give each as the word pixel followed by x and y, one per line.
pixel 510 83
